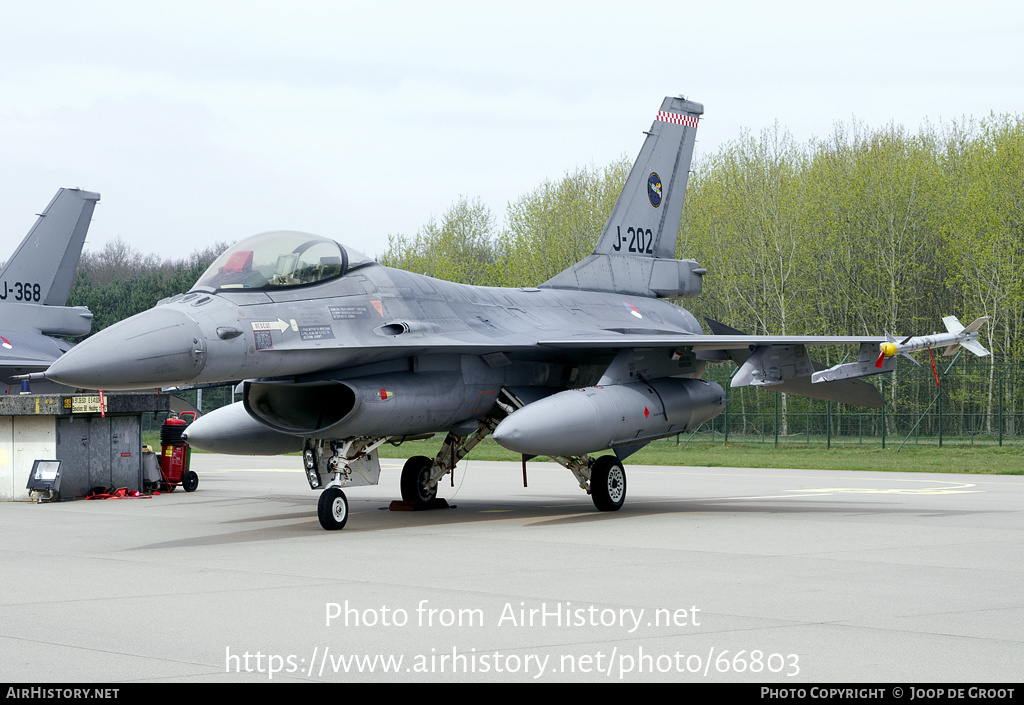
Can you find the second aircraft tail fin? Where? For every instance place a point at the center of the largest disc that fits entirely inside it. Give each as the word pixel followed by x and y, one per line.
pixel 42 269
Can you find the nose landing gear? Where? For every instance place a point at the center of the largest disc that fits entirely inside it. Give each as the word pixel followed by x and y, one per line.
pixel 332 509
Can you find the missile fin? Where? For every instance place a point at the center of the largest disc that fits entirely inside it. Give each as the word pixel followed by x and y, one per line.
pixel 950 350
pixel 975 347
pixel 978 323
pixel 953 324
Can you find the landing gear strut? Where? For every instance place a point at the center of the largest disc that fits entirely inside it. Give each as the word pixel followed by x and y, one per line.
pixel 354 462
pixel 420 475
pixel 604 479
pixel 350 463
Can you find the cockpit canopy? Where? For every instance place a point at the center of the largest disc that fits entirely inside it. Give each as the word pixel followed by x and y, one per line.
pixel 279 260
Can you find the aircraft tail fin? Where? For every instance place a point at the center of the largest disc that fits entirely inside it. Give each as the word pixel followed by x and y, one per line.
pixel 636 251
pixel 42 269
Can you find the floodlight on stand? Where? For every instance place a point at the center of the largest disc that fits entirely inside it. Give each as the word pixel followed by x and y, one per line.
pixel 45 477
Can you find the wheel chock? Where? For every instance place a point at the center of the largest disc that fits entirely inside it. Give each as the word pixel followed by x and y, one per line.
pixel 399 505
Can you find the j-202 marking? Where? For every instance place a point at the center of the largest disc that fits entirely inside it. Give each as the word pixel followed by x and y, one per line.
pixel 640 240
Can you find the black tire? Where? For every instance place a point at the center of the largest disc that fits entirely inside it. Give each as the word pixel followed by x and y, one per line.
pixel 189 481
pixel 414 480
pixel 332 509
pixel 608 483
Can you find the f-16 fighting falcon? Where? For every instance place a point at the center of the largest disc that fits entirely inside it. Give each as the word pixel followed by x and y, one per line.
pixel 340 354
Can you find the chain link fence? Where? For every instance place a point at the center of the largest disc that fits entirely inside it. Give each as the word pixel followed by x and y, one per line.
pixel 963 401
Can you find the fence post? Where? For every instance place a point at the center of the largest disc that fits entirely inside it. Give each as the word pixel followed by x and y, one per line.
pixel 726 410
pixel 828 425
pixel 881 390
pixel 1001 370
pixel 944 374
pixel 776 419
pixel 725 421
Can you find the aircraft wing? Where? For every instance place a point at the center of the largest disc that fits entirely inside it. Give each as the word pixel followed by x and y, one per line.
pixel 780 362
pixel 24 353
pixel 707 342
pixel 27 350
pixel 9 362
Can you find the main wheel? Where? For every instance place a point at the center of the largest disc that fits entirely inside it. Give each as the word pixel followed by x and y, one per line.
pixel 332 509
pixel 189 481
pixel 608 483
pixel 415 476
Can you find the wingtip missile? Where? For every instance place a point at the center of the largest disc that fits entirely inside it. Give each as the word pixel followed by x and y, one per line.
pixel 955 338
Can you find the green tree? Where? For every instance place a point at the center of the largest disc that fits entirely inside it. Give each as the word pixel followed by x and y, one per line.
pixel 118 281
pixel 459 248
pixel 984 237
pixel 746 224
pixel 558 223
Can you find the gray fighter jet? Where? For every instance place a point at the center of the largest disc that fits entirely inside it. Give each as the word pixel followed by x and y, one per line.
pixel 34 287
pixel 340 354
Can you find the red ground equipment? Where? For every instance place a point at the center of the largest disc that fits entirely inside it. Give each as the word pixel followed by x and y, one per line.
pixel 174 457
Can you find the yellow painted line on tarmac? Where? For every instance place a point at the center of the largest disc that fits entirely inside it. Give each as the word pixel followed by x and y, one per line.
pixel 954 488
pixel 211 471
pixel 291 469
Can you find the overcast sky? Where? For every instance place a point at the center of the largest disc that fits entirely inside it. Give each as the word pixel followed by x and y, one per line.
pixel 207 121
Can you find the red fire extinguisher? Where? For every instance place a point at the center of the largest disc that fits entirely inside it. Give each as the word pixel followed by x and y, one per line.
pixel 174 457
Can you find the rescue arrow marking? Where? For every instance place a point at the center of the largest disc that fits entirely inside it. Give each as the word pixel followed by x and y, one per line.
pixel 278 325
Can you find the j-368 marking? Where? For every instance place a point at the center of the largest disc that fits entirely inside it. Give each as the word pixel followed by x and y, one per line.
pixel 22 291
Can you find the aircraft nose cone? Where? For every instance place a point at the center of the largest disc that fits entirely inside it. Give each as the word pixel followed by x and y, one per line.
pixel 155 348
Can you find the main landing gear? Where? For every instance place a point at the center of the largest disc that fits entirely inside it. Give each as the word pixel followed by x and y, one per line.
pixel 608 483
pixel 415 483
pixel 603 478
pixel 354 462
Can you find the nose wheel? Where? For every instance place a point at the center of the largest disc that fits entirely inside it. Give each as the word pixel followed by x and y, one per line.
pixel 332 509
